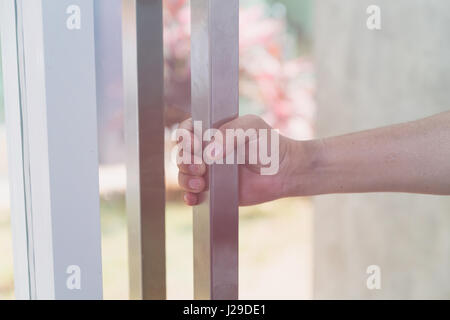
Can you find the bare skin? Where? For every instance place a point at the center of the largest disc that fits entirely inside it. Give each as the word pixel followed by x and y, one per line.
pixel 412 157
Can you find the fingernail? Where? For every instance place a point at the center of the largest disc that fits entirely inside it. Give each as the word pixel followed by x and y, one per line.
pixel 185 197
pixel 195 184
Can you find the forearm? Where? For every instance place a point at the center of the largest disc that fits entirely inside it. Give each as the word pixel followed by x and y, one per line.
pixel 412 157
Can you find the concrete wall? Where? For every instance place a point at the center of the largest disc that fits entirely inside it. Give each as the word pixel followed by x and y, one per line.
pixel 368 79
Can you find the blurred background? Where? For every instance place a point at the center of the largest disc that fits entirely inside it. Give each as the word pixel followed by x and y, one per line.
pixel 311 69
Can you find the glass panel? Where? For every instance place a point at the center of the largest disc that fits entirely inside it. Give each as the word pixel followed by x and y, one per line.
pixel 6 265
pixel 258 264
pixel 108 30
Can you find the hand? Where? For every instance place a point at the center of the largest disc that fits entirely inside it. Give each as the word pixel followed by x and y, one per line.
pixel 254 187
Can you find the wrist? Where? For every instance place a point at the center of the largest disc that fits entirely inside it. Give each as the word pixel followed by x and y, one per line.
pixel 303 176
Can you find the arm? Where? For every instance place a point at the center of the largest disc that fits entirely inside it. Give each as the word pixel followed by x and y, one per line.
pixel 412 157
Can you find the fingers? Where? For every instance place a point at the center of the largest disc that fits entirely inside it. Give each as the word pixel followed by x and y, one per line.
pixel 190 179
pixel 191 199
pixel 186 139
pixel 190 174
pixel 190 183
pixel 193 169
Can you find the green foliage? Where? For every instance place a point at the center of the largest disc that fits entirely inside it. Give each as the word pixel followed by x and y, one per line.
pixel 299 14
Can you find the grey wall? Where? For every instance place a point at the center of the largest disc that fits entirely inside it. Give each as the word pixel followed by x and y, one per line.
pixel 368 79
